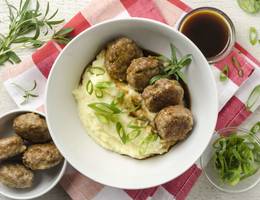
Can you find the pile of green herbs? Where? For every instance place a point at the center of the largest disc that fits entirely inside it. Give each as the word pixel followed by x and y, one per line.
pixel 236 157
pixel 28 28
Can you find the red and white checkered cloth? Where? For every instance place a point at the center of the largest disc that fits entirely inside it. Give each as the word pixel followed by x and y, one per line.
pixel 232 93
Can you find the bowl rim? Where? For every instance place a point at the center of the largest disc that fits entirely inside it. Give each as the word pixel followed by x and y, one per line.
pixel 144 20
pixel 61 171
pixel 217 133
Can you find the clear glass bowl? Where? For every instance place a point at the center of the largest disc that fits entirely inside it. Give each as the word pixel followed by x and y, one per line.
pixel 211 173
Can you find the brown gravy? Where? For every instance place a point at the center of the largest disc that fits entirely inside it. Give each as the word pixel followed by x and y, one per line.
pixel 208 30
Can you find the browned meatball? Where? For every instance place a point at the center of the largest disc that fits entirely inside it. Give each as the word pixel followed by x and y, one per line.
pixel 11 146
pixel 141 70
pixel 42 156
pixel 174 122
pixel 119 55
pixel 32 127
pixel 163 93
pixel 16 176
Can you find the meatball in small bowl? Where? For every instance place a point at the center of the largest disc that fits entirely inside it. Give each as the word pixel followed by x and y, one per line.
pixel 30 163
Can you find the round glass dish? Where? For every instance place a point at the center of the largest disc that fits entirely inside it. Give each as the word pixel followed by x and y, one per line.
pixel 211 173
pixel 230 26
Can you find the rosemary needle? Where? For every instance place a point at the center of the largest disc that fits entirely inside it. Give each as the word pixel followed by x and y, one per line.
pixel 27 93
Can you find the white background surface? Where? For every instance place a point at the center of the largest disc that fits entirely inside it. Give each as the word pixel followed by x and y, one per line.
pixel 67 8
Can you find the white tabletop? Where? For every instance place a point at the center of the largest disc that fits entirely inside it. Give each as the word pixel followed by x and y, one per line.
pixel 67 8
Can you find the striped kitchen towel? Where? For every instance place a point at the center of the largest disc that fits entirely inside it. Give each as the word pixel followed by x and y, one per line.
pixel 233 93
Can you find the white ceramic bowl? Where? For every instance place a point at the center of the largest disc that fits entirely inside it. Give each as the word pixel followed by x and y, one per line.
pixel 111 168
pixel 44 180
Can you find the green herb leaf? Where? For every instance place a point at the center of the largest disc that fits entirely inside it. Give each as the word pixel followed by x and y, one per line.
pixel 3 58
pixel 96 70
pixel 253 97
pixel 103 85
pixel 27 93
pixel 152 137
pixel 99 93
pixel 13 57
pixel 256 128
pixel 105 108
pixel 173 54
pixel 249 6
pixel 224 73
pixel 121 132
pixel 173 67
pixel 89 87
pixel 253 35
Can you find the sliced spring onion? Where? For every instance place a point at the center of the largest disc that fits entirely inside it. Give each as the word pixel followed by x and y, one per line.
pixel 256 128
pixel 236 157
pixel 134 134
pixel 253 97
pixel 237 65
pixel 121 132
pixel 119 97
pixel 145 143
pixel 224 73
pixel 104 108
pixel 102 118
pixel 89 87
pixel 99 93
pixel 253 35
pixel 103 85
pixel 250 6
pixel 96 70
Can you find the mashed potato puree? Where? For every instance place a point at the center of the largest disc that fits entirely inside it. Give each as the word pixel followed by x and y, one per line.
pixel 142 145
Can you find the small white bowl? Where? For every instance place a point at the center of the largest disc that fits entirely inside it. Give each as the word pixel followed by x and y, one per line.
pixel 105 166
pixel 44 180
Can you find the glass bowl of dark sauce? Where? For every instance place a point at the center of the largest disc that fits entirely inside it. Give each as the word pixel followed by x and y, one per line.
pixel 211 30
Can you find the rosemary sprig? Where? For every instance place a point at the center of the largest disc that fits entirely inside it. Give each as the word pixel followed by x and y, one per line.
pixel 27 93
pixel 173 66
pixel 25 21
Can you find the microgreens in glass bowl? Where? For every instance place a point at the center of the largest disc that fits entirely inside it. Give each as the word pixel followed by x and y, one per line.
pixel 231 161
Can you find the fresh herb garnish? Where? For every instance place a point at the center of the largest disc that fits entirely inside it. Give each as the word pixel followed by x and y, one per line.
pixel 27 93
pixel 256 128
pixel 253 35
pixel 253 97
pixel 23 21
pixel 105 108
pixel 145 143
pixel 173 66
pixel 89 87
pixel 99 88
pixel 121 132
pixel 224 73
pixel 236 157
pixel 98 71
pixel 62 36
pixel 249 6
pixel 237 65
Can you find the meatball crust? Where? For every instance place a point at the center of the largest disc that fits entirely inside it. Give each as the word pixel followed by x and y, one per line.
pixel 32 127
pixel 16 176
pixel 163 93
pixel 141 70
pixel 42 156
pixel 119 55
pixel 174 122
pixel 11 146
